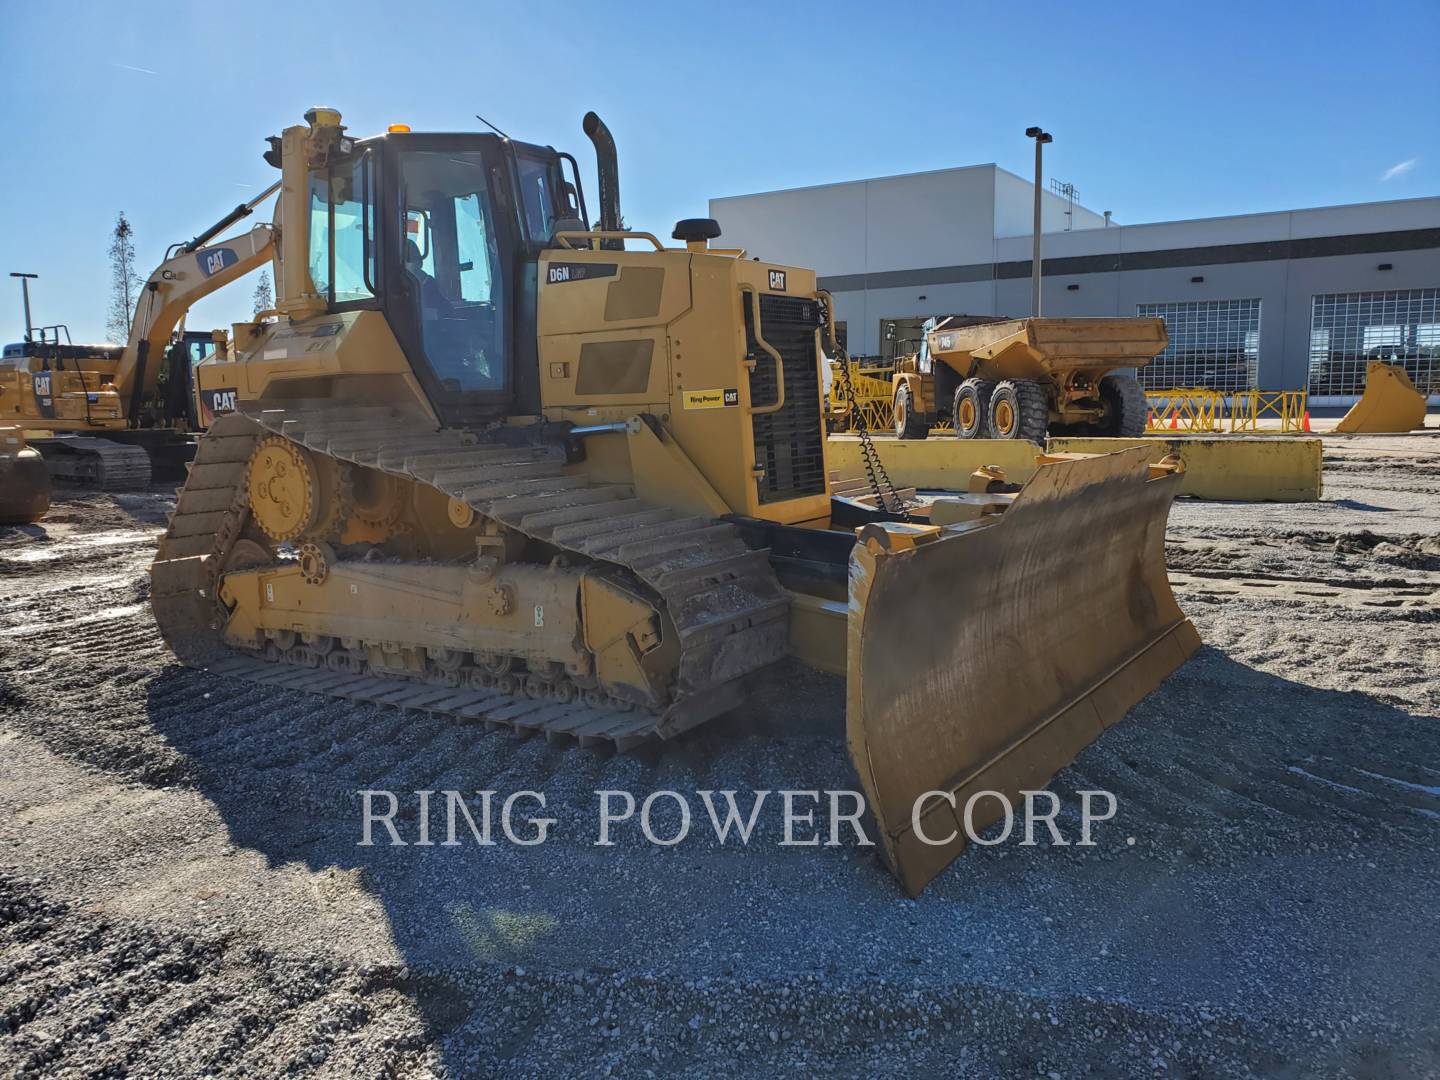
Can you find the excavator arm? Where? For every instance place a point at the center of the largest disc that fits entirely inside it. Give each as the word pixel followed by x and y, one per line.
pixel 191 272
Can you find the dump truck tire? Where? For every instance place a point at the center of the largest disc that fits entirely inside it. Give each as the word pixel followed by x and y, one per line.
pixel 1019 410
pixel 1126 404
pixel 908 423
pixel 971 415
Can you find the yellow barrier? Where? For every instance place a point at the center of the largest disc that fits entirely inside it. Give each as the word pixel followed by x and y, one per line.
pixel 1209 412
pixel 1241 468
pixel 1245 468
pixel 1184 410
pixel 942 464
pixel 1249 407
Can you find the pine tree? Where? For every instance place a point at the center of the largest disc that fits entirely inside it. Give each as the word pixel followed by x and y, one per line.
pixel 264 296
pixel 124 282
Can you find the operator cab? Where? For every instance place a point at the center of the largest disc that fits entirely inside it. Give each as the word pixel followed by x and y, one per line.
pixel 442 234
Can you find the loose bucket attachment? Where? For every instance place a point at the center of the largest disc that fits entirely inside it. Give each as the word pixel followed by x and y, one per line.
pixel 983 657
pixel 1390 403
pixel 24 480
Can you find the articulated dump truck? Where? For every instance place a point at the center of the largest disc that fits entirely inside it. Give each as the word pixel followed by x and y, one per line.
pixel 998 378
pixel 491 462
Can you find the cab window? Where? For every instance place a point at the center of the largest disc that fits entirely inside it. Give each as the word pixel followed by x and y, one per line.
pixel 451 261
pixel 538 177
pixel 342 210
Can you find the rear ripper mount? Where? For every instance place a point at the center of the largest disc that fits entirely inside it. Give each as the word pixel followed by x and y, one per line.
pixel 728 612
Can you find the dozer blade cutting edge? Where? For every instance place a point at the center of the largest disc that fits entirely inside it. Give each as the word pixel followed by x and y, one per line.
pixel 984 657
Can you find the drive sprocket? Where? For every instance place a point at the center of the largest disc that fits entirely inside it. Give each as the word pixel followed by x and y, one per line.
pixel 296 494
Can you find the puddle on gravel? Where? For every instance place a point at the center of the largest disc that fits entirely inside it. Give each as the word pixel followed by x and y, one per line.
pixel 103 615
pixel 62 547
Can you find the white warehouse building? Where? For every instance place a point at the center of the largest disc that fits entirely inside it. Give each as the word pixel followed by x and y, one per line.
pixel 1295 299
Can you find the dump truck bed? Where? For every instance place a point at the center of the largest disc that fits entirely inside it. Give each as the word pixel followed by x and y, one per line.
pixel 1053 344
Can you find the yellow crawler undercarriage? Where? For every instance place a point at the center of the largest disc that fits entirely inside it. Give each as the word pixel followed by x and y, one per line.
pixel 601 616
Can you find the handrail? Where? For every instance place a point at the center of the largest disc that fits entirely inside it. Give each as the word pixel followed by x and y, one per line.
pixel 759 335
pixel 596 235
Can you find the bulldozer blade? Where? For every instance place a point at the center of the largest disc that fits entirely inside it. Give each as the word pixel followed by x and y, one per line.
pixel 1390 403
pixel 985 656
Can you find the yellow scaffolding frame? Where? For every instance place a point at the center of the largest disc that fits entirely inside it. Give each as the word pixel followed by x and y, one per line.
pixel 1251 406
pixel 1192 409
pixel 1198 410
pixel 872 397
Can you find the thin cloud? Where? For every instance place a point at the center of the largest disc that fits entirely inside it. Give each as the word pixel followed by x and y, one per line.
pixel 132 67
pixel 1399 170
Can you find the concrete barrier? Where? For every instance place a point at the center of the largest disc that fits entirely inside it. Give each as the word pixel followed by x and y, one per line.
pixel 1243 468
pixel 944 464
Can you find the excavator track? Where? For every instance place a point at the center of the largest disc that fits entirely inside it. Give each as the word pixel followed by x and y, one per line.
pixel 95 463
pixel 721 597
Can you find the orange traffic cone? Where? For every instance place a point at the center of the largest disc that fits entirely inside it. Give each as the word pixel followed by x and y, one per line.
pixel 1150 420
pixel 1305 421
pixel 1174 420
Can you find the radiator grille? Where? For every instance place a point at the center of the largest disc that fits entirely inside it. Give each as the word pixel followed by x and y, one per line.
pixel 789 443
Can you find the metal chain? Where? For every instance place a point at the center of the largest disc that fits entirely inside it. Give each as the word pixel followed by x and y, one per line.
pixel 874 467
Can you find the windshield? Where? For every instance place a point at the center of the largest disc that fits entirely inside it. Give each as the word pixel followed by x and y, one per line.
pixel 537 195
pixel 451 258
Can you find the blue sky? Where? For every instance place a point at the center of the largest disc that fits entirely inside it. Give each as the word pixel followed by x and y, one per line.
pixel 1159 110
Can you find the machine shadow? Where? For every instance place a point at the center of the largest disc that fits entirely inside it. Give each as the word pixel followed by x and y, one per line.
pixel 300 805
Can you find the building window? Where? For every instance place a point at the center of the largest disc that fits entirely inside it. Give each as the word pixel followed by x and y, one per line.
pixel 1213 344
pixel 1348 330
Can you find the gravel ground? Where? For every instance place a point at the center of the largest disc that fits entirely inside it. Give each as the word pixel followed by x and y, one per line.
pixel 181 890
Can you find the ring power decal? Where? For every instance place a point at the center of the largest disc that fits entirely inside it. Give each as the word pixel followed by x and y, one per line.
pixel 712 399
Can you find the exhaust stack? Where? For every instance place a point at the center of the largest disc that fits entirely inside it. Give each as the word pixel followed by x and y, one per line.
pixel 607 168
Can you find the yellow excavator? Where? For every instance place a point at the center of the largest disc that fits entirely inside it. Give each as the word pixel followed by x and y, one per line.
pixel 110 416
pixel 488 461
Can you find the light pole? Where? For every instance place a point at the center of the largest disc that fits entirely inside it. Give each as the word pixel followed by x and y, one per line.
pixel 25 291
pixel 1041 138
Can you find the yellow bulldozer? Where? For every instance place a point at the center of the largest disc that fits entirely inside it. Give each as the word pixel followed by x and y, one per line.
pixel 999 378
pixel 489 461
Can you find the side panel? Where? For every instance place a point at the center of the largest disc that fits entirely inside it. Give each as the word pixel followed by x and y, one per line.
pixel 351 356
pixel 603 331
